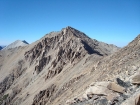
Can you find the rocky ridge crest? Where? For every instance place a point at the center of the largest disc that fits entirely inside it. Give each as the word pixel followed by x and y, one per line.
pixel 66 67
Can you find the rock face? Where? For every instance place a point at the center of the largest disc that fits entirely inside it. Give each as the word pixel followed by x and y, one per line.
pixel 121 67
pixel 68 67
pixel 68 46
pixel 44 96
pixel 16 44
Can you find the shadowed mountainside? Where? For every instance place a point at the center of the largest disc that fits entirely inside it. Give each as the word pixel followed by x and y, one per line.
pixel 63 68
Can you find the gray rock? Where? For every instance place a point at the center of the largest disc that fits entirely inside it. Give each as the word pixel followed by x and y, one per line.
pixel 122 83
pixel 102 101
pixel 115 87
pixel 136 79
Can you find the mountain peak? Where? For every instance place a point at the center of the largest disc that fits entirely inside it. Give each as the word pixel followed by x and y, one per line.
pixel 66 29
pixel 69 28
pixel 73 32
pixel 58 60
pixel 17 43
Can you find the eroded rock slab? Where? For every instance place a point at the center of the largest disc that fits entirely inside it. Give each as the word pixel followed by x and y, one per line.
pixel 136 79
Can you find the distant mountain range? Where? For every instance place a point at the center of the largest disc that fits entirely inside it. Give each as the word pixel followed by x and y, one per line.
pixel 1 47
pixel 69 68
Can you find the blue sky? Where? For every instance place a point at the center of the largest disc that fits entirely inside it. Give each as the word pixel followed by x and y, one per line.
pixel 111 21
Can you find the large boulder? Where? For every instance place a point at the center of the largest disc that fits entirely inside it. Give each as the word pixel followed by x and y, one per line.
pixel 99 88
pixel 108 89
pixel 136 79
pixel 115 87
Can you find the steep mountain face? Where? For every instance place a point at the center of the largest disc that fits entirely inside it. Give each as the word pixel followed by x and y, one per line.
pixel 119 73
pixel 53 69
pixel 15 44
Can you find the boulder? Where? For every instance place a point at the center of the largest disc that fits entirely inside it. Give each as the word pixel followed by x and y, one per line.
pixel 111 96
pixel 99 88
pixel 103 89
pixel 115 87
pixel 102 101
pixel 122 83
pixel 136 79
pixel 101 93
pixel 137 100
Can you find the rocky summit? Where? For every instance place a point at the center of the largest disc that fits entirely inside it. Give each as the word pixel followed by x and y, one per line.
pixel 69 68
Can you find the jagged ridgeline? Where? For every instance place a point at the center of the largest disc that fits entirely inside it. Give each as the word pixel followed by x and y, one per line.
pixel 65 67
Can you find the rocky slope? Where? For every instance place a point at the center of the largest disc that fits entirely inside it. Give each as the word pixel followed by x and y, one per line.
pixel 118 79
pixel 17 43
pixel 68 67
